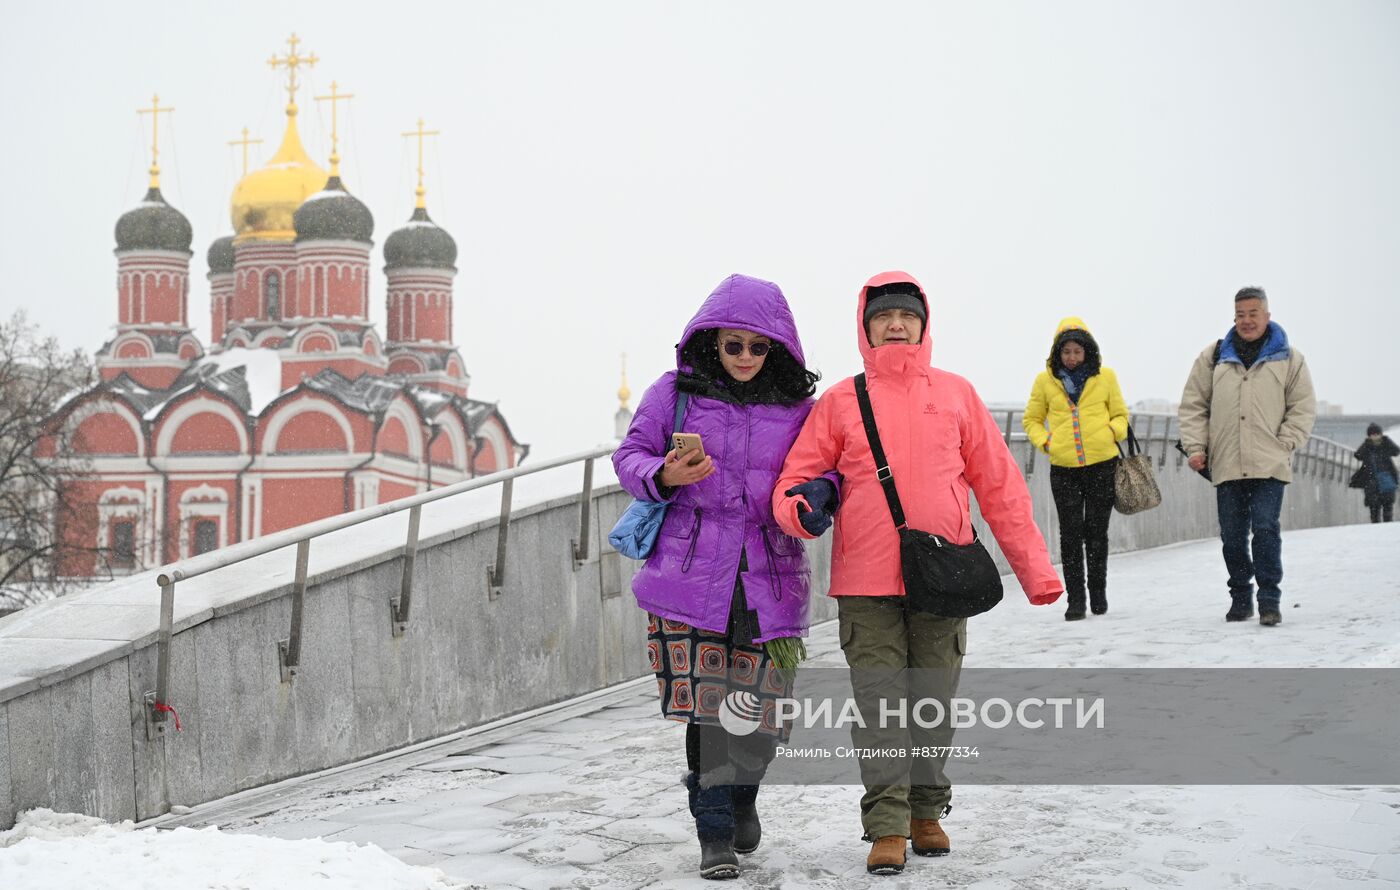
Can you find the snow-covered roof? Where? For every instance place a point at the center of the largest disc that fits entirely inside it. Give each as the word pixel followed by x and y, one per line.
pixel 262 373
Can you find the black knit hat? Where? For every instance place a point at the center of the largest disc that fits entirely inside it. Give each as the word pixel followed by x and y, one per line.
pixel 1374 430
pixel 897 295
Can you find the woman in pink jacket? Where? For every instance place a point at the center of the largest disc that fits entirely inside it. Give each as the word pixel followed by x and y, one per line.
pixel 942 446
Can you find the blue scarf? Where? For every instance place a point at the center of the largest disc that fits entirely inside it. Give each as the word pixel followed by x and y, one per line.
pixel 1074 380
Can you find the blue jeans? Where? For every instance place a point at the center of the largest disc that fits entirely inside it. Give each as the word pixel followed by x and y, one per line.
pixel 1244 506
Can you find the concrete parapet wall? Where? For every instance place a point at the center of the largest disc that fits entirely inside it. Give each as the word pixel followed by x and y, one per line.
pixel 73 673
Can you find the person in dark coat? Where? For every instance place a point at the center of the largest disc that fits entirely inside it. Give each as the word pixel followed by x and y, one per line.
pixel 1377 476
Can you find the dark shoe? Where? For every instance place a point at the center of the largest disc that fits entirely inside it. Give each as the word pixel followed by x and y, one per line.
pixel 748 831
pixel 717 861
pixel 929 837
pixel 886 856
pixel 1270 617
pixel 1074 606
pixel 713 809
pixel 1098 603
pixel 1241 609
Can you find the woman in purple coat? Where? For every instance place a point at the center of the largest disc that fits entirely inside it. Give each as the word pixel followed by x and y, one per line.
pixel 723 580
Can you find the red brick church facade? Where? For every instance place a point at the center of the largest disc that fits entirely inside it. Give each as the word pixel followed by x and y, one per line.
pixel 297 410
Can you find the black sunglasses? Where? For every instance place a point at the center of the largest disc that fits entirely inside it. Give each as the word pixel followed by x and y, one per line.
pixel 757 350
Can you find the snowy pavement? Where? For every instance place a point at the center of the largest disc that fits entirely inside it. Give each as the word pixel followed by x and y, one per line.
pixel 587 793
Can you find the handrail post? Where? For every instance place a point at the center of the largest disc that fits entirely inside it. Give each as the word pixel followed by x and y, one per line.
pixel 1166 442
pixel 399 605
pixel 580 547
pixel 496 574
pixel 1007 436
pixel 289 650
pixel 157 701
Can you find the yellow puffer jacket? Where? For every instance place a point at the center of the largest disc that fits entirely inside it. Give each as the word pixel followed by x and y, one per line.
pixel 1078 434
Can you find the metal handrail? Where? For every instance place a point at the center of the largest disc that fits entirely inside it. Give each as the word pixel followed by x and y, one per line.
pixel 289 650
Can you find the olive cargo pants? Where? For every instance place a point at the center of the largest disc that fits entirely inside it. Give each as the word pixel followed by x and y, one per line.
pixel 884 641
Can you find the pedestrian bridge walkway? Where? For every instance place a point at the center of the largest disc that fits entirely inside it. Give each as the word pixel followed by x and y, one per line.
pixel 385 629
pixel 586 793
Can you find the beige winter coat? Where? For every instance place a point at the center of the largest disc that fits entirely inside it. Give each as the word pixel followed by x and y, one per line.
pixel 1248 422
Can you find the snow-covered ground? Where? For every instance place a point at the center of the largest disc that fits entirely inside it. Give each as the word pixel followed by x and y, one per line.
pixel 586 794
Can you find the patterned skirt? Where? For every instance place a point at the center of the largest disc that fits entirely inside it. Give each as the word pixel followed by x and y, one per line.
pixel 705 677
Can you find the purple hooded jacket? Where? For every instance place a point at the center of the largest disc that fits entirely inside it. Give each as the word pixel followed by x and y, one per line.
pixel 690 574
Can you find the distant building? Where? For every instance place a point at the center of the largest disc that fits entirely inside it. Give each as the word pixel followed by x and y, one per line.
pixel 622 420
pixel 298 410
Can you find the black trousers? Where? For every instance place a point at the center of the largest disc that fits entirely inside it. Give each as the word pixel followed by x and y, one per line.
pixel 1084 502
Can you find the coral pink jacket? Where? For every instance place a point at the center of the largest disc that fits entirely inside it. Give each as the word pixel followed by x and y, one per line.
pixel 941 443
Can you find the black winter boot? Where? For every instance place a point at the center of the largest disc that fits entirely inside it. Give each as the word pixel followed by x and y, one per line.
pixel 748 831
pixel 1074 610
pixel 1098 601
pixel 718 861
pixel 713 809
pixel 1241 607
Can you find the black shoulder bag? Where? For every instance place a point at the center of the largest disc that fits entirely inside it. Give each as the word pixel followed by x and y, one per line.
pixel 940 577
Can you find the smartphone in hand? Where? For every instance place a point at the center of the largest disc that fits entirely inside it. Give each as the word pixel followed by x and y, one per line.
pixel 689 446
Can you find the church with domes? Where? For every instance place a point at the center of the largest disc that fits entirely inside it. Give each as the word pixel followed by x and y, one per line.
pixel 297 409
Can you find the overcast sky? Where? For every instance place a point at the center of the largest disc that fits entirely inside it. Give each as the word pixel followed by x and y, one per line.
pixel 603 165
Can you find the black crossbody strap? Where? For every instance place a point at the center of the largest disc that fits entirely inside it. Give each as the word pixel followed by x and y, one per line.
pixel 882 466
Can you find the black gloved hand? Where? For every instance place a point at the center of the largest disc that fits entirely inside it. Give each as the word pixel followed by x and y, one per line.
pixel 822 498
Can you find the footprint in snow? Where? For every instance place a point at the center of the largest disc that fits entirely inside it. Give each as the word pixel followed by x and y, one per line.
pixel 1183 860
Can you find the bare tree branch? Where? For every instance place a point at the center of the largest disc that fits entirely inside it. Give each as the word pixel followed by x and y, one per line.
pixel 36 492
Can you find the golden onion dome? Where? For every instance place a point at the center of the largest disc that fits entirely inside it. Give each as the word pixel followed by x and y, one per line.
pixel 265 200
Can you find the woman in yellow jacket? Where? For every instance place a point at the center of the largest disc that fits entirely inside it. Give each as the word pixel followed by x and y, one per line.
pixel 1077 416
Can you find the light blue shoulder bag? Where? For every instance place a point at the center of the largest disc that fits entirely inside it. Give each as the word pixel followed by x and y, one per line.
pixel 634 536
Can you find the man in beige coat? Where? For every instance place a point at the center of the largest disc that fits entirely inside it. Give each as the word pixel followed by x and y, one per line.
pixel 1247 405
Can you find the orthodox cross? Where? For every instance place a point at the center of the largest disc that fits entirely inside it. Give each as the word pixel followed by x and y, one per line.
pixel 245 142
pixel 334 98
pixel 155 111
pixel 291 62
pixel 421 134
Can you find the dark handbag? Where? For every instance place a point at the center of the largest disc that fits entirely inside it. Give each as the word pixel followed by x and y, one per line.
pixel 1360 477
pixel 634 535
pixel 940 577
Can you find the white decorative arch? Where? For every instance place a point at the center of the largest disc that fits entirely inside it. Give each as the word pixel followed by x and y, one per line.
pixel 494 433
pixel 400 409
pixel 107 406
pixel 123 503
pixel 452 428
pixel 238 336
pixel 202 502
pixel 314 330
pixel 304 405
pixel 189 340
pixel 129 337
pixel 419 366
pixel 276 332
pixel 195 406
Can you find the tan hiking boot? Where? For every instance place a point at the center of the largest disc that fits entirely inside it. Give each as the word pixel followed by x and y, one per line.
pixel 886 856
pixel 929 837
